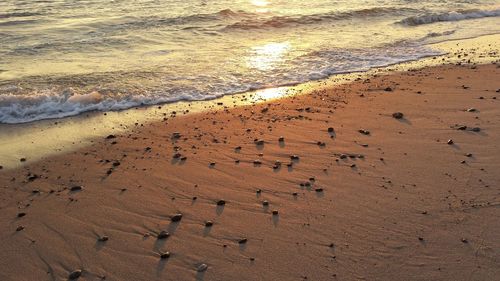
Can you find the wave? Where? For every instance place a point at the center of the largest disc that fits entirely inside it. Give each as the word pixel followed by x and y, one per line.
pixel 73 95
pixel 283 21
pixel 449 16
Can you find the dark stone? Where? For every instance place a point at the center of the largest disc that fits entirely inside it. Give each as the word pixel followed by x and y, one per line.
pixel 388 89
pixel 76 188
pixel 75 274
pixel 176 218
pixel 163 234
pixel 450 142
pixel 165 255
pixel 331 130
pixel 19 228
pixel 398 115
pixel 221 202
pixel 242 241
pixel 209 223
pixel 20 215
pixel 111 137
pixel 275 212
pixel 103 238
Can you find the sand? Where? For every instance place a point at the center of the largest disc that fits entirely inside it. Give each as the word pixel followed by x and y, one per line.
pixel 349 193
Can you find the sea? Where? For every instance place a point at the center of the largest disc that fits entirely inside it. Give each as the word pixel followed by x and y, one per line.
pixel 61 58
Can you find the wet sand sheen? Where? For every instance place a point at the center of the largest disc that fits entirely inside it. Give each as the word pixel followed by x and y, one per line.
pixel 332 185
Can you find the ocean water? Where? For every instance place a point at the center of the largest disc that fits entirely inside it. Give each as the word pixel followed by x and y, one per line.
pixel 64 57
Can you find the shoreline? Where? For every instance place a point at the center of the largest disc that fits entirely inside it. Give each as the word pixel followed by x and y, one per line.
pixel 38 139
pixel 373 198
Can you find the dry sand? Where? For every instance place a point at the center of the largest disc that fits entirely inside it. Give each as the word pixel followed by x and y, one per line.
pixel 377 198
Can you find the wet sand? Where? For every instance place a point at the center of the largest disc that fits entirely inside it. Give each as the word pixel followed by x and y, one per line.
pixel 334 184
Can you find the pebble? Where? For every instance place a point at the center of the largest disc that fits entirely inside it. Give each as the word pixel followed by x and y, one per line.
pixel 221 202
pixel 331 130
pixel 294 157
pixel 19 228
pixel 471 109
pixel 165 255
pixel 398 115
pixel 242 241
pixel 281 139
pixel 163 234
pixel 275 212
pixel 202 267
pixel 75 274
pixel 265 203
pixel 319 189
pixel 388 89
pixel 103 238
pixel 450 142
pixel 176 218
pixel 20 215
pixel 76 188
pixel 364 132
pixel 209 223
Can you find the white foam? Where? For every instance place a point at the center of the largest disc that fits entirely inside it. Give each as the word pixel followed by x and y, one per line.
pixel 449 16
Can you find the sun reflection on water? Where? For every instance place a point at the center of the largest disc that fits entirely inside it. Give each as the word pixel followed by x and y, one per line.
pixel 268 56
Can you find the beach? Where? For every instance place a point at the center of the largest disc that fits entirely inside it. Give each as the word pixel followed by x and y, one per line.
pixel 386 176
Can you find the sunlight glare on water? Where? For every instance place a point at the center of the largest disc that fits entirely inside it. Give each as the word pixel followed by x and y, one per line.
pixel 143 52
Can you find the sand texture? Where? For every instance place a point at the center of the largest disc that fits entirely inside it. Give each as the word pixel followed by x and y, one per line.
pixel 331 185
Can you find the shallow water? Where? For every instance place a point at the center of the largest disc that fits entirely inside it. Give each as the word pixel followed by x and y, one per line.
pixel 61 58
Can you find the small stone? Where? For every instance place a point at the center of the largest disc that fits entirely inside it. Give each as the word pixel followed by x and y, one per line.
pixel 259 142
pixel 242 241
pixel 176 218
pixel 111 137
pixel 398 115
pixel 265 203
pixel 163 234
pixel 275 212
pixel 165 255
pixel 450 142
pixel 19 228
pixel 75 274
pixel 209 223
pixel 76 188
pixel 257 162
pixel 177 156
pixel 421 238
pixel 295 194
pixel 20 215
pixel 468 154
pixel 202 267
pixel 331 130
pixel 103 238
pixel 476 129
pixel 281 139
pixel 22 159
pixel 464 240
pixel 259 191
pixel 388 89
pixel 294 157
pixel 221 202
pixel 471 109
pixel 319 189
pixel 364 132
